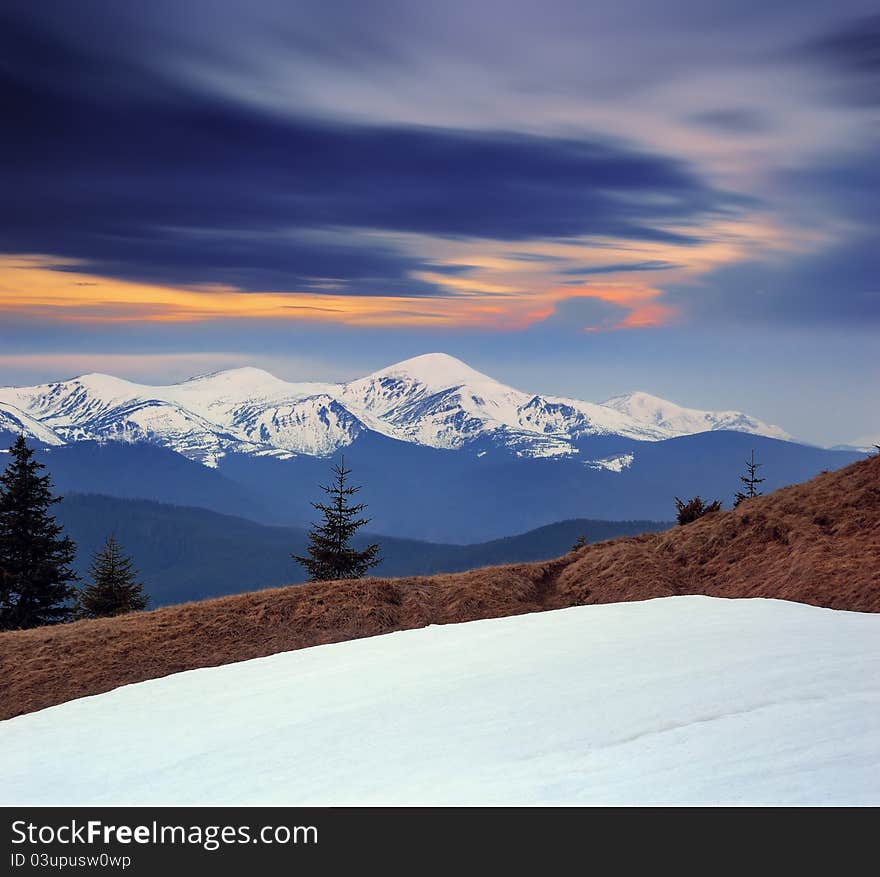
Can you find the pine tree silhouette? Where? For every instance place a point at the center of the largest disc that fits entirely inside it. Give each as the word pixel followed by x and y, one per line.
pixel 36 581
pixel 115 588
pixel 750 480
pixel 331 555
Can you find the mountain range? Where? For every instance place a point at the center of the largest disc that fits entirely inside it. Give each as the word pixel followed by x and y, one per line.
pixel 444 453
pixel 433 400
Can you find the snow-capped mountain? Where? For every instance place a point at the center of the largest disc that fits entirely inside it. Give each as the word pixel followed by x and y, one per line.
pixel 653 412
pixel 432 400
pixel 440 402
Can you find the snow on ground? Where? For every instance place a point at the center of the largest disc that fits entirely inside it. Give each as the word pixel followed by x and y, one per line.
pixel 685 699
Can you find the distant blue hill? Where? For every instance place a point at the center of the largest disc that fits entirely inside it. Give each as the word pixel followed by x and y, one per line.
pixel 463 496
pixel 190 553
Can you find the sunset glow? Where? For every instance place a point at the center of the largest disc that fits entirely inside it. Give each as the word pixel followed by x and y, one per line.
pixel 492 290
pixel 578 190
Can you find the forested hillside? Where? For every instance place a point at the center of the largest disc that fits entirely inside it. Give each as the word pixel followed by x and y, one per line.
pixel 190 553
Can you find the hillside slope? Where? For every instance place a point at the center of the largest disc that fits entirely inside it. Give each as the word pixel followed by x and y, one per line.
pixel 686 700
pixel 813 543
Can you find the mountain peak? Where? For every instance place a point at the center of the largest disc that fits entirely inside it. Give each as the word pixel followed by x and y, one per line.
pixel 241 383
pixel 436 371
pixel 653 411
pixel 638 399
pixel 97 382
pixel 242 374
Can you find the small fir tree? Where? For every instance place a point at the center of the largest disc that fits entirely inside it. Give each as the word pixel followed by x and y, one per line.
pixel 580 542
pixel 331 555
pixel 115 588
pixel 36 579
pixel 694 509
pixel 750 480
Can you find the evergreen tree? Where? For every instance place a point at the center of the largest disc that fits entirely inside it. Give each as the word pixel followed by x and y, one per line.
pixel 694 509
pixel 331 555
pixel 750 480
pixel 36 581
pixel 115 588
pixel 580 542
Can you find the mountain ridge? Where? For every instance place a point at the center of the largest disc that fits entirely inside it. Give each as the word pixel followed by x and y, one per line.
pixel 433 400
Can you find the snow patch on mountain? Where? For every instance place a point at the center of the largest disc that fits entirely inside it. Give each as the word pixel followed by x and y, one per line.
pixel 163 424
pixel 612 464
pixel 14 420
pixel 316 425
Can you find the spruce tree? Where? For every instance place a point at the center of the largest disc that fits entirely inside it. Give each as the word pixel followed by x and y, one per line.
pixel 115 588
pixel 331 555
pixel 36 581
pixel 750 480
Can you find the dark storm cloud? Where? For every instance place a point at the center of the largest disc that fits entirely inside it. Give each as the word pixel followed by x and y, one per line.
pixel 146 179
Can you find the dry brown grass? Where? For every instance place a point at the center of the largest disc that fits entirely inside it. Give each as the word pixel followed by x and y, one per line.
pixel 817 543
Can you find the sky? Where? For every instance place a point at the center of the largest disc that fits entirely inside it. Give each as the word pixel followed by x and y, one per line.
pixel 575 197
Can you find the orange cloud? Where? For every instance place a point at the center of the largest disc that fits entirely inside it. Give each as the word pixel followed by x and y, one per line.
pixel 501 286
pixel 29 286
